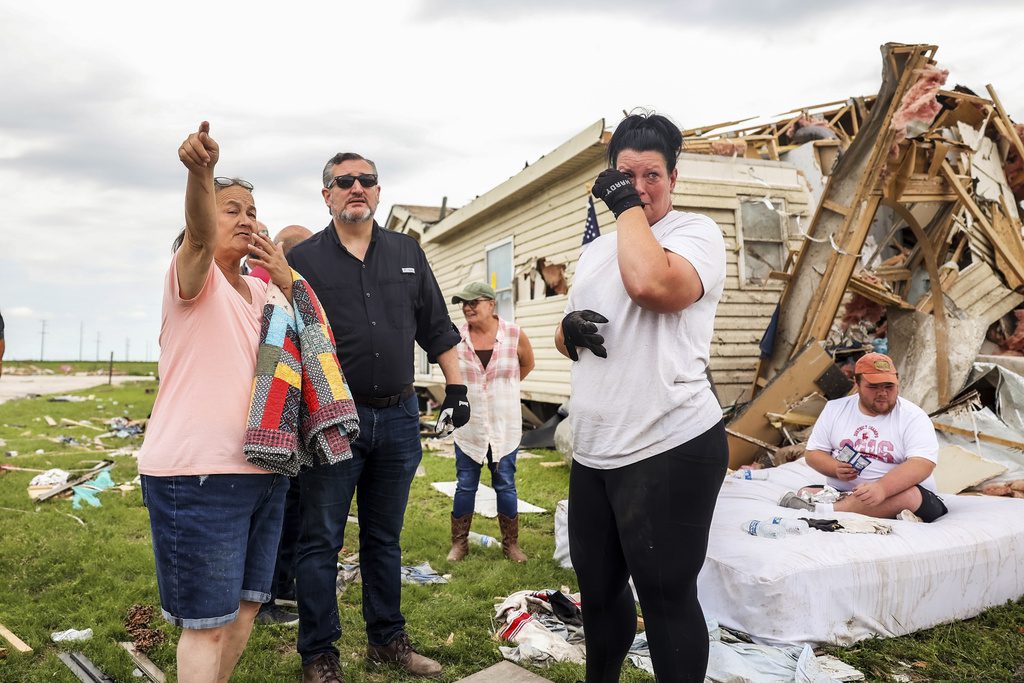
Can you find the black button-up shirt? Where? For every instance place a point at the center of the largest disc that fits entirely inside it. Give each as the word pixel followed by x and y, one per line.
pixel 377 307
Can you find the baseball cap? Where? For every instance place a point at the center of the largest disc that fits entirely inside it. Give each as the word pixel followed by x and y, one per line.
pixel 876 368
pixel 474 290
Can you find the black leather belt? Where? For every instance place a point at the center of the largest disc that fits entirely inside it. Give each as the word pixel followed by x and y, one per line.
pixel 384 401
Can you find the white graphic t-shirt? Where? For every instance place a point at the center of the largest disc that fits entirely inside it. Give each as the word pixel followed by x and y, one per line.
pixel 886 440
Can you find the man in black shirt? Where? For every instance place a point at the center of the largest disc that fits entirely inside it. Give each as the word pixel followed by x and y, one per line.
pixel 380 297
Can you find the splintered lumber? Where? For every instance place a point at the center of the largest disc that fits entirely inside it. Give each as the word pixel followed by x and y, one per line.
pixel 876 293
pixel 92 472
pixel 1010 133
pixel 16 642
pixel 987 438
pixel 811 372
pixel 843 217
pixel 150 670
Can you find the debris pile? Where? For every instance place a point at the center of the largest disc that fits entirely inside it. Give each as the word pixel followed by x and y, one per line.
pixel 915 248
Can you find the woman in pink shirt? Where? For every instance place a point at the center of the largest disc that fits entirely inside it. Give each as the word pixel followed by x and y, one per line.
pixel 215 518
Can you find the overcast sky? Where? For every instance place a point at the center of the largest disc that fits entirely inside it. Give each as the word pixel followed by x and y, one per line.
pixel 449 97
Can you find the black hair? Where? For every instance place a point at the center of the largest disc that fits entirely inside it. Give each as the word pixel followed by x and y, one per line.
pixel 646 132
pixel 341 157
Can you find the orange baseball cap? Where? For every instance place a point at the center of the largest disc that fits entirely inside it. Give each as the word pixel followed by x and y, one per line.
pixel 876 368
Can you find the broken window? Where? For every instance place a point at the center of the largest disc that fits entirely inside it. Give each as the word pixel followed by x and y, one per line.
pixel 762 230
pixel 499 276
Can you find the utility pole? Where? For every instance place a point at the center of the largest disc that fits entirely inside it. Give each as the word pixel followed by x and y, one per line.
pixel 127 344
pixel 81 339
pixel 97 347
pixel 42 339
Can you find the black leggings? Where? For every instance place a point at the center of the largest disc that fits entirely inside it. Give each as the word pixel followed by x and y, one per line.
pixel 648 520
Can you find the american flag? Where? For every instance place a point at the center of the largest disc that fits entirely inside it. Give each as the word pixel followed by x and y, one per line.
pixel 591 232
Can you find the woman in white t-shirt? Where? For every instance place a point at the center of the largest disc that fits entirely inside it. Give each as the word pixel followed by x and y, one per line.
pixel 649 444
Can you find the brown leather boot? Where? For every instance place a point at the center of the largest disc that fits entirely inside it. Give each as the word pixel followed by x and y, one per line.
pixel 460 537
pixel 510 538
pixel 323 669
pixel 401 652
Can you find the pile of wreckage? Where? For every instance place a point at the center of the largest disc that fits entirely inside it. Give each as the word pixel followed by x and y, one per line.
pixel 915 249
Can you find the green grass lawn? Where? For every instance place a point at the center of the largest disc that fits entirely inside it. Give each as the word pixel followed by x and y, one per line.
pixel 57 574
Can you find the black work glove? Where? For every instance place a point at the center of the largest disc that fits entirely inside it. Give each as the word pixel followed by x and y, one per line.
pixel 578 329
pixel 454 410
pixel 616 190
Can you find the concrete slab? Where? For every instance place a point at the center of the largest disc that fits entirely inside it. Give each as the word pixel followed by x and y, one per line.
pixel 20 386
pixel 505 672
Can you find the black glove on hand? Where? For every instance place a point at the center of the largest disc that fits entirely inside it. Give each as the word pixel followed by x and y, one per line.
pixel 454 411
pixel 578 329
pixel 616 190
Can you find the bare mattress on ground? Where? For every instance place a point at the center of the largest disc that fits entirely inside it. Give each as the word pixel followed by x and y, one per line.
pixel 840 588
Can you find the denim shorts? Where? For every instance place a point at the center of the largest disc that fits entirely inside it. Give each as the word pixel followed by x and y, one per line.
pixel 215 539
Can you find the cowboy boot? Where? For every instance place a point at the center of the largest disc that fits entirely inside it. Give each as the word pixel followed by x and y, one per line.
pixel 460 537
pixel 510 538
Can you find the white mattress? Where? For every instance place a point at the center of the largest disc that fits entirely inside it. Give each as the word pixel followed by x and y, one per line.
pixel 841 588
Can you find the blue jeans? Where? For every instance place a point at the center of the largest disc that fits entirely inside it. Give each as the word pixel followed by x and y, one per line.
pixel 503 481
pixel 215 541
pixel 385 458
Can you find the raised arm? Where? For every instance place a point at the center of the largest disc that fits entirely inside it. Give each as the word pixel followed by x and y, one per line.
pixel 199 153
pixel 655 279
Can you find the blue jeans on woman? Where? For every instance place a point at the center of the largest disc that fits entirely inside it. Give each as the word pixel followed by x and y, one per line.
pixel 503 481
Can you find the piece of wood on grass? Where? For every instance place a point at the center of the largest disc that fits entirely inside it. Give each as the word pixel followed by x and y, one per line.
pixel 557 463
pixel 50 421
pixel 150 670
pixel 16 642
pixel 504 672
pixel 57 490
pixel 77 423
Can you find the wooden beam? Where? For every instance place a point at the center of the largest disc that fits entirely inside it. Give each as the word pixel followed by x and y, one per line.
pixel 987 438
pixel 150 670
pixel 16 642
pixel 1015 140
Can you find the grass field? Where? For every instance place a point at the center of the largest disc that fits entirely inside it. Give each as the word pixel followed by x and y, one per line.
pixel 58 574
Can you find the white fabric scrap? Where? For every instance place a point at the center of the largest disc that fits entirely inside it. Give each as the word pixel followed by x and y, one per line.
pixel 51 478
pixel 486 499
pixel 71 634
pixel 864 525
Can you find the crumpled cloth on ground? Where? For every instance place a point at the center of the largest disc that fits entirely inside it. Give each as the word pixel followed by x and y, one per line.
pixel 71 634
pixel 422 574
pixel 87 492
pixel 51 478
pixel 733 661
pixel 545 625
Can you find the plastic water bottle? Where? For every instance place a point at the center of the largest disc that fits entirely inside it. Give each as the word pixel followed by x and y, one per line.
pixel 750 474
pixel 483 539
pixel 792 526
pixel 764 529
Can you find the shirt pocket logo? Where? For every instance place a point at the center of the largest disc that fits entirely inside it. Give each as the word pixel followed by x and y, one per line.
pixel 409 270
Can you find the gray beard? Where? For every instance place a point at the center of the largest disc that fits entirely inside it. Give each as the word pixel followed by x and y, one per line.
pixel 354 215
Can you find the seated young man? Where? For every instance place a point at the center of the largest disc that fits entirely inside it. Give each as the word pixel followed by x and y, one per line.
pixel 891 447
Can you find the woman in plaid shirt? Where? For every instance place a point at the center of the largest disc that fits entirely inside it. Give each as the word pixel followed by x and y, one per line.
pixel 494 356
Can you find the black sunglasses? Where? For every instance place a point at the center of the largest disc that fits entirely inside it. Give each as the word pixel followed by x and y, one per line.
pixel 346 181
pixel 222 181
